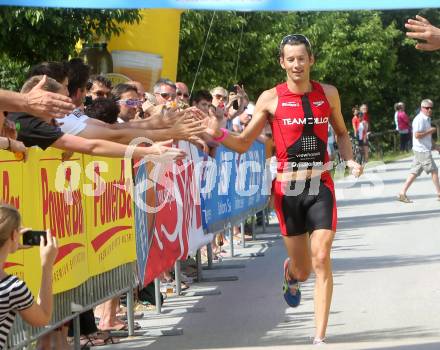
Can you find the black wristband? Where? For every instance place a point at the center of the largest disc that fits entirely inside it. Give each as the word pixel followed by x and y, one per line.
pixel 9 144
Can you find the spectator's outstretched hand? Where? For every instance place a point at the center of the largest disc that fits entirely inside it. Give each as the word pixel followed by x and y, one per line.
pixel 187 125
pixel 163 151
pixel 9 129
pixel 199 143
pixel 47 105
pixel 421 29
pixel 20 150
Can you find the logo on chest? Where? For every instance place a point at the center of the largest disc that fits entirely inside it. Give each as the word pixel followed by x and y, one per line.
pixel 290 104
pixel 305 121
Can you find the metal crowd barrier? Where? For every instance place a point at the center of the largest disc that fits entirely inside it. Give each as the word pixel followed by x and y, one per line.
pixel 68 305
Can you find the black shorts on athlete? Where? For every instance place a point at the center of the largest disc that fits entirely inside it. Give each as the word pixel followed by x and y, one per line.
pixel 305 206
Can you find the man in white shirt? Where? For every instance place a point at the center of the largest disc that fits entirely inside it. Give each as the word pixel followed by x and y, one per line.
pixel 422 147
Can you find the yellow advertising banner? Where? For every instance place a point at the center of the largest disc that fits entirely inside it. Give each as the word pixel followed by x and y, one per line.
pixel 11 192
pixel 86 202
pixel 61 209
pixel 110 215
pixel 138 54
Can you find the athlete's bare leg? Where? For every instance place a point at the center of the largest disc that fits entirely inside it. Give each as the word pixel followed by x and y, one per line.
pixel 298 250
pixel 408 182
pixel 321 244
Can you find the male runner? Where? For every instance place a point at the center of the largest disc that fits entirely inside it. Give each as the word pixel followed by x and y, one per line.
pixel 299 111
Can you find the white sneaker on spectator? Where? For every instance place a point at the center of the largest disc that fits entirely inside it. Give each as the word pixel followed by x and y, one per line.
pixel 319 341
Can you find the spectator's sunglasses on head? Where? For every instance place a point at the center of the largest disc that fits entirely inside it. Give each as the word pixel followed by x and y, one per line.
pixel 291 38
pixel 180 93
pixel 130 102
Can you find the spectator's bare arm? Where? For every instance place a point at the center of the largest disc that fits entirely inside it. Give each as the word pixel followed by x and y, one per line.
pixel 421 29
pixel 40 313
pixel 37 102
pixel 105 148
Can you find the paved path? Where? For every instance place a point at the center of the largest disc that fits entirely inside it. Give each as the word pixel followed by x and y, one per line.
pixel 386 260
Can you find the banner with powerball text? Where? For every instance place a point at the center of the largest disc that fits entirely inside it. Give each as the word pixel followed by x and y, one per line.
pixel 83 201
pixel 11 192
pixel 109 213
pixel 60 208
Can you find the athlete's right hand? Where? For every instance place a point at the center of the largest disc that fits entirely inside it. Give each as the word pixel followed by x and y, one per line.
pixel 212 122
pixel 356 168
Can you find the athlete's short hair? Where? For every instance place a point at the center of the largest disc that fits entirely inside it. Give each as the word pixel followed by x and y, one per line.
pixel 295 39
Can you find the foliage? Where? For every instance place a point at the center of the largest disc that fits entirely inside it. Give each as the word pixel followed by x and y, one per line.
pixel 365 54
pixel 32 35
pixel 12 74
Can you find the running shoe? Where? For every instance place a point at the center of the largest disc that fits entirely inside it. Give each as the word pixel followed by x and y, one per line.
pixel 403 198
pixel 291 291
pixel 319 341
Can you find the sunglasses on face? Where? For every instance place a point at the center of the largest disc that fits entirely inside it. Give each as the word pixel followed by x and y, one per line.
pixel 430 108
pixel 295 38
pixel 166 95
pixel 179 93
pixel 131 102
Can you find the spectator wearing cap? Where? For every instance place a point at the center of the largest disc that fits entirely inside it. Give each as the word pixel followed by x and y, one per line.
pixel 240 122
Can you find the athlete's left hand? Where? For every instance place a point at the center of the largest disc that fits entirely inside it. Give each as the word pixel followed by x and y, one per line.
pixel 356 168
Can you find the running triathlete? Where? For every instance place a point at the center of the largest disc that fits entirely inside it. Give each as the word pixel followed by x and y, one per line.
pixel 299 111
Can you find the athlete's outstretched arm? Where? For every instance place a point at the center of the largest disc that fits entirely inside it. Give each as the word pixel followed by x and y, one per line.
pixel 338 124
pixel 241 142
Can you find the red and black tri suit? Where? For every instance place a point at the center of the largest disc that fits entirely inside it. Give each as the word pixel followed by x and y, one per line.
pixel 300 133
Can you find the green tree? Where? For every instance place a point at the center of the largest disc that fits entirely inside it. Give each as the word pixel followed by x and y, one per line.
pixel 365 54
pixel 417 73
pixel 32 35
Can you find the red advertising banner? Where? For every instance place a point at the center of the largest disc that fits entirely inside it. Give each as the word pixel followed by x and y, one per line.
pixel 168 213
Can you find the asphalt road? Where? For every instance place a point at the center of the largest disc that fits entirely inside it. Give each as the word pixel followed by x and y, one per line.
pixel 386 260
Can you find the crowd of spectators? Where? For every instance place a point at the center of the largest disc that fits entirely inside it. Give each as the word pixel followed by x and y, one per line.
pixel 61 106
